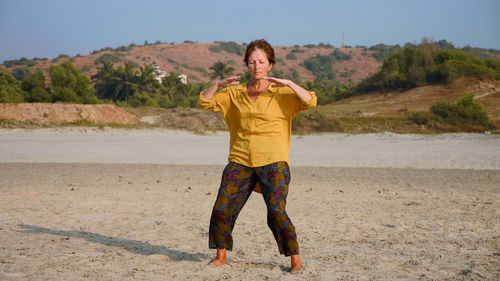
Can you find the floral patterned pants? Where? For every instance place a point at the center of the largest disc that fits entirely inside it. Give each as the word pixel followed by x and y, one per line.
pixel 238 182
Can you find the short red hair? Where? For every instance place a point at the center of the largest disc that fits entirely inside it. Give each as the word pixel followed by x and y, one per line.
pixel 262 45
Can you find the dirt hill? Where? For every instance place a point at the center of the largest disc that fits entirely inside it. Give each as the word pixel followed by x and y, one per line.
pixel 58 113
pixel 194 60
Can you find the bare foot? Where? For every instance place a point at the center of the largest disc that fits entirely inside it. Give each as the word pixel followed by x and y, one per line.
pixel 220 259
pixel 296 262
pixel 217 262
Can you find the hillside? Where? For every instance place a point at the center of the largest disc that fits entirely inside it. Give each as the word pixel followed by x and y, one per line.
pixel 370 113
pixel 378 112
pixel 194 60
pixel 341 109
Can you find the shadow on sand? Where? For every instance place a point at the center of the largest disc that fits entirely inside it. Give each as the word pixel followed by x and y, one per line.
pixel 133 246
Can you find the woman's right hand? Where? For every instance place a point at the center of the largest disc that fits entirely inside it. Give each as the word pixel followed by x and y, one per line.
pixel 230 81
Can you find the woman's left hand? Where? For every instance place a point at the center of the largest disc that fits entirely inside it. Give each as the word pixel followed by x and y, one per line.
pixel 278 82
pixel 302 93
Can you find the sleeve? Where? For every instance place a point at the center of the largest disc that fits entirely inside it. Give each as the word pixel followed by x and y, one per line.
pixel 219 102
pixel 306 104
pixel 301 105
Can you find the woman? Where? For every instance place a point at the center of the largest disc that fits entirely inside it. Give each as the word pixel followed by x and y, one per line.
pixel 259 116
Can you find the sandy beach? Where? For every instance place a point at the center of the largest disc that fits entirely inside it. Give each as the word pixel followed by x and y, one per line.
pixel 113 204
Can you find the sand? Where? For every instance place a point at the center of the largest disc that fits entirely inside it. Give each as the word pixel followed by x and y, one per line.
pixel 84 204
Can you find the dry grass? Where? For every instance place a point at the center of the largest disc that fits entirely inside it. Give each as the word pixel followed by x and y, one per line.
pixel 390 111
pixel 191 119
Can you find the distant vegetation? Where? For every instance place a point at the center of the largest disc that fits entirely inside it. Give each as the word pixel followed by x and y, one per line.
pixel 108 58
pixel 291 56
pixel 383 51
pixel 230 47
pixel 129 87
pixel 348 73
pixel 21 72
pixel 328 91
pixel 220 70
pixel 320 45
pixel 23 61
pixel 118 49
pixel 416 65
pixel 123 85
pixel 67 85
pixel 132 85
pixel 466 114
pixel 322 66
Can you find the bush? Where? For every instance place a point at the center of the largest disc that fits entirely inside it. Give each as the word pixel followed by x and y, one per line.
pixel 70 85
pixel 293 75
pixel 124 48
pixel 338 55
pixel 414 66
pixel 9 89
pixel 21 72
pixel 348 73
pixel 329 91
pixel 464 111
pixel 420 118
pixel 291 56
pixel 383 51
pixel 314 120
pixel 144 99
pixel 108 58
pixel 34 87
pixel 325 45
pixel 230 47
pixel 278 73
pixel 22 61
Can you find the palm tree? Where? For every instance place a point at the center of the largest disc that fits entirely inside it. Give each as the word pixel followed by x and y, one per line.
pixel 220 70
pixel 126 85
pixel 146 79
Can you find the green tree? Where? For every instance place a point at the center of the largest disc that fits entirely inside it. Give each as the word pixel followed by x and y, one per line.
pixel 108 58
pixel 278 73
pixel 321 67
pixel 116 84
pixel 293 75
pixel 126 83
pixel 146 80
pixel 21 72
pixel 69 85
pixel 220 70
pixel 9 89
pixel 34 86
pixel 105 83
pixel 465 111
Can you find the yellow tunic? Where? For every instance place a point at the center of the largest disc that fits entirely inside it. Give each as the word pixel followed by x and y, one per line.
pixel 259 131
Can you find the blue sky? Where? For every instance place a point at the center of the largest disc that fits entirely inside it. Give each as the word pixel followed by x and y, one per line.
pixel 52 27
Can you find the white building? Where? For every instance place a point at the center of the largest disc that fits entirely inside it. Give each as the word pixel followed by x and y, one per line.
pixel 159 73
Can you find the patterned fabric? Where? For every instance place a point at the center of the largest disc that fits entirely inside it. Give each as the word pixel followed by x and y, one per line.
pixel 238 182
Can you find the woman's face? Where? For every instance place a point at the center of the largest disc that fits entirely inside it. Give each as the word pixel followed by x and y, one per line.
pixel 258 65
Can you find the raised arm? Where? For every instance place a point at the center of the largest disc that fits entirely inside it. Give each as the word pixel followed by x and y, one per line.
pixel 230 81
pixel 302 93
